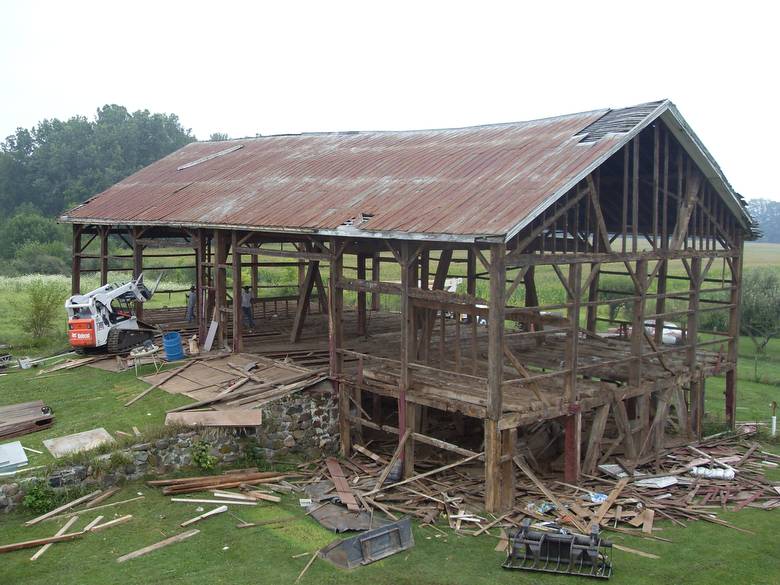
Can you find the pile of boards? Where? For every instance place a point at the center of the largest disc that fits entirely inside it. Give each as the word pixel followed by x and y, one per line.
pixel 684 484
pixel 26 417
pixel 230 390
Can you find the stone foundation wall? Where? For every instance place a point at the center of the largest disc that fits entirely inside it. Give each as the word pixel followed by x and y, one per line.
pixel 303 425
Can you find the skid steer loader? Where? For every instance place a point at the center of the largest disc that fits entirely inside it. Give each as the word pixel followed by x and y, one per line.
pixel 103 321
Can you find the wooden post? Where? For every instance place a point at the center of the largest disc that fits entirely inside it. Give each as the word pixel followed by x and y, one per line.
pixel 508 444
pixel 75 271
pixel 406 420
pixel 220 285
pixel 237 313
pixel 253 276
pixel 697 390
pixel 375 271
pixel 361 297
pixel 201 286
pixel 638 323
pixel 138 267
pixel 471 272
pixel 572 447
pixel 304 300
pixel 573 334
pixel 734 329
pixel 593 296
pixel 104 230
pixel 496 309
pixel 335 341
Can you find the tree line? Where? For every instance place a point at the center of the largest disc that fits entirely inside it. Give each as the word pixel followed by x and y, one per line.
pixel 57 164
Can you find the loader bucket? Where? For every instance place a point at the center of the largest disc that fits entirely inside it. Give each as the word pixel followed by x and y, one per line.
pixel 559 552
pixel 370 546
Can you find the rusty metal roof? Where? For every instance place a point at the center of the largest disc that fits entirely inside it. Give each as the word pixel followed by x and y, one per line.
pixel 455 184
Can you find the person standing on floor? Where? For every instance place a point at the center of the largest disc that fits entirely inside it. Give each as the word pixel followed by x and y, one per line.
pixel 191 298
pixel 246 307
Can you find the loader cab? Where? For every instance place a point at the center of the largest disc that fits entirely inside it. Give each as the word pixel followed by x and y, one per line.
pixel 120 310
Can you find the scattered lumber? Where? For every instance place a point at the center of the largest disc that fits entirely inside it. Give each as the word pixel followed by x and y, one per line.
pixel 158 545
pixel 170 375
pixel 205 501
pixel 24 418
pixel 64 507
pixel 211 482
pixel 40 541
pixel 60 532
pixel 98 507
pixel 101 498
pixel 110 523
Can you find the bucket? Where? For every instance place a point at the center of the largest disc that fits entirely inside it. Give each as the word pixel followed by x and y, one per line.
pixel 172 345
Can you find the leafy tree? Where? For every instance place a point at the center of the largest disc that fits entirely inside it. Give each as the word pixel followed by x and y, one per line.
pixel 27 227
pixel 218 137
pixel 44 306
pixel 760 309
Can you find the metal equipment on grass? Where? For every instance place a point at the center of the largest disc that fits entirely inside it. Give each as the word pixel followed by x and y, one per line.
pixel 559 551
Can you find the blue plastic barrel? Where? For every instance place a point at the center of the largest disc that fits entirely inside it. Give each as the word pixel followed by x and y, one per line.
pixel 172 345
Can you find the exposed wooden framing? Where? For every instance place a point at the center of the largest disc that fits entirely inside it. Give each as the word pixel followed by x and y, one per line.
pixel 202 282
pixel 304 300
pixel 471 272
pixel 572 445
pixel 638 321
pixel 635 196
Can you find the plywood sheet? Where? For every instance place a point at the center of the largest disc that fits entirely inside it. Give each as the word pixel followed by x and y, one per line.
pixel 216 418
pixel 78 442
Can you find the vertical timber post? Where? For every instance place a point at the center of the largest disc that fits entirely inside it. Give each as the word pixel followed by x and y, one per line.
pixel 104 230
pixel 496 483
pixel 573 421
pixel 237 315
pixel 734 328
pixel 406 415
pixel 220 285
pixel 335 340
pixel 697 390
pixel 75 270
pixel 376 263
pixel 361 296
pixel 201 286
pixel 138 267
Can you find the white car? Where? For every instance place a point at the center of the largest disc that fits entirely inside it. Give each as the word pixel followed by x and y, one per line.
pixel 672 333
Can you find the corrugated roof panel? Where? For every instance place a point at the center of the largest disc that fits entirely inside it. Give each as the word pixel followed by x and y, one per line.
pixel 478 181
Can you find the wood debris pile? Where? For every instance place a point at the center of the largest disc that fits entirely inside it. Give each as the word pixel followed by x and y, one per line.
pixel 691 482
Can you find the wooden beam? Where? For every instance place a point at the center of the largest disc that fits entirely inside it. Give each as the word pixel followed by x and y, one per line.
pixel 158 545
pixel 594 438
pixel 304 299
pixel 335 341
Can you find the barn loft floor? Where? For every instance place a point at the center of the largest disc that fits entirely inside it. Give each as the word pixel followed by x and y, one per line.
pixel 453 379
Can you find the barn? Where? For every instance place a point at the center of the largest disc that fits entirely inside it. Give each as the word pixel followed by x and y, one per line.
pixel 469 289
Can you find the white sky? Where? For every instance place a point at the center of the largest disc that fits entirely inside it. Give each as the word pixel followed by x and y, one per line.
pixel 244 68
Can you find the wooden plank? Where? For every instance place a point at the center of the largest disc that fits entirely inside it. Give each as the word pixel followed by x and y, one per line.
pixel 607 504
pixel 342 485
pixel 422 475
pixel 110 523
pixel 560 508
pixel 60 532
pixel 158 545
pixel 99 507
pixel 594 439
pixel 64 507
pixel 217 418
pixel 170 375
pixel 205 501
pixel 40 542
pixel 101 498
pixel 214 512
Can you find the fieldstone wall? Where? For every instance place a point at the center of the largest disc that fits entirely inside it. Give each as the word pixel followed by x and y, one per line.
pixel 303 424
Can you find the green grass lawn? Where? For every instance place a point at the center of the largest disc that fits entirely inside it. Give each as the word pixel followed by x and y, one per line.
pixel 221 553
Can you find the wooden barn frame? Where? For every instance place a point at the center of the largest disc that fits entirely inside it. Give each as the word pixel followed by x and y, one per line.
pixel 652 213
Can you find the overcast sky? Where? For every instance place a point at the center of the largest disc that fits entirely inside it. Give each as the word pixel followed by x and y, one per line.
pixel 247 68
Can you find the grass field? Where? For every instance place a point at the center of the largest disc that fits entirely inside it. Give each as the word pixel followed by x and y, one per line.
pixel 85 398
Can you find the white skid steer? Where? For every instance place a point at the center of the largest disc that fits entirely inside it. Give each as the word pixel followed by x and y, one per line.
pixel 103 321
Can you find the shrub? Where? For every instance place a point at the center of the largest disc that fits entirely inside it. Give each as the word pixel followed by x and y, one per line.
pixel 44 306
pixel 201 456
pixel 40 498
